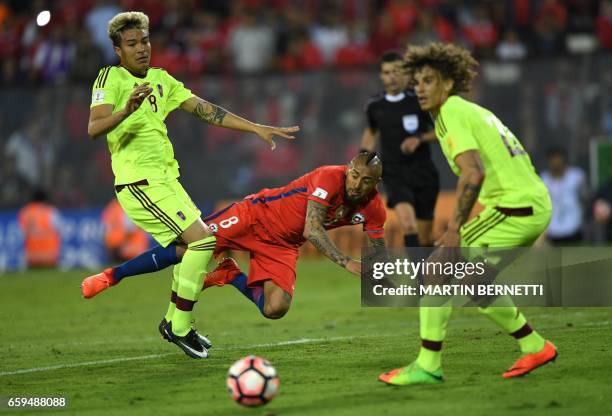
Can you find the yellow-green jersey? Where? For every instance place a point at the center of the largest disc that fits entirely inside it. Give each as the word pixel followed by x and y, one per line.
pixel 510 178
pixel 139 145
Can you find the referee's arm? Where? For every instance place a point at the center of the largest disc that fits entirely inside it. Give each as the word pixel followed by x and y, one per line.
pixel 429 136
pixel 368 139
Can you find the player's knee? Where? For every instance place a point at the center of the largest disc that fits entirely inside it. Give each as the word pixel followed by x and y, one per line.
pixel 277 301
pixel 408 226
pixel 207 232
pixel 277 305
pixel 196 232
pixel 180 250
pixel 275 310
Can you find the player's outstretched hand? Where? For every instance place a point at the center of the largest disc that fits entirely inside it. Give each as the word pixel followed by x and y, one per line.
pixel 268 132
pixel 354 266
pixel 138 95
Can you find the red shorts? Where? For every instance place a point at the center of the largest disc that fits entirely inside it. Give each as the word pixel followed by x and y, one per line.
pixel 237 228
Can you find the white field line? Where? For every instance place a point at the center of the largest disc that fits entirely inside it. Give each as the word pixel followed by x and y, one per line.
pixel 363 327
pixel 153 356
pixel 233 347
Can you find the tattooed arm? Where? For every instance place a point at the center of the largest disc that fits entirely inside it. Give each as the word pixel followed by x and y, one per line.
pixel 377 243
pixel 314 231
pixel 468 187
pixel 213 114
pixel 377 252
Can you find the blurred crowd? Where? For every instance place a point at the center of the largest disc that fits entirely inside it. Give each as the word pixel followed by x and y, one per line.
pixel 193 37
pixel 546 70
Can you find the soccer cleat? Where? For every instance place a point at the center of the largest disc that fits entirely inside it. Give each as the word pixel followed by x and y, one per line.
pixel 189 343
pixel 226 271
pixel 411 374
pixel 95 284
pixel 201 338
pixel 530 362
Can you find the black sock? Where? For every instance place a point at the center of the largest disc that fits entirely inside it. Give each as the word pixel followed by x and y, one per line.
pixel 411 240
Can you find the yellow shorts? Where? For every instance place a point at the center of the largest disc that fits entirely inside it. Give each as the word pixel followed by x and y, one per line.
pixel 163 210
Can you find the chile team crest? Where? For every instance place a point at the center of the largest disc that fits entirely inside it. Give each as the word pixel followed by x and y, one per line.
pixel 358 219
pixel 160 90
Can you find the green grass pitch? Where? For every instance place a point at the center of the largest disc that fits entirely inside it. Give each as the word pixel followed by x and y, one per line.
pixel 106 356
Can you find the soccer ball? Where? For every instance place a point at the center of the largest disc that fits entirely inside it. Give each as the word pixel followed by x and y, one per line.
pixel 252 381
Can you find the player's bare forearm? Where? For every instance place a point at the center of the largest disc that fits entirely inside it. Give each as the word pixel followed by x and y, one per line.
pixel 314 232
pixel 321 241
pixel 101 124
pixel 377 243
pixel 468 194
pixel 468 187
pixel 102 119
pixel 368 139
pixel 378 252
pixel 213 114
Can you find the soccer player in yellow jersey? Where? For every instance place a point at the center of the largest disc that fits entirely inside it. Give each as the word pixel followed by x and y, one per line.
pixel 494 168
pixel 129 104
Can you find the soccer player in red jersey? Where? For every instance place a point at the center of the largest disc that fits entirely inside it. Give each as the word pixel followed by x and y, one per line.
pixel 272 224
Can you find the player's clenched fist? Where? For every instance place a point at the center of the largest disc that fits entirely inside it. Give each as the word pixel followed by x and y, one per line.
pixel 137 97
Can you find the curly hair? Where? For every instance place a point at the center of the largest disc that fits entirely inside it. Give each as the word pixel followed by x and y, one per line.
pixel 123 21
pixel 452 61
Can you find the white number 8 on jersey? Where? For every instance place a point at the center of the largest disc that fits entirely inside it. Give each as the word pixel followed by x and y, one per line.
pixel 229 222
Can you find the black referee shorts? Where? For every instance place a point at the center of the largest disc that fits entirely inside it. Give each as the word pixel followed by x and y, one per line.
pixel 417 185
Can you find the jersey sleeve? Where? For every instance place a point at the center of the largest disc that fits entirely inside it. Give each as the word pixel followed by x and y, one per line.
pixel 376 215
pixel 453 129
pixel 323 187
pixel 370 116
pixel 177 93
pixel 104 90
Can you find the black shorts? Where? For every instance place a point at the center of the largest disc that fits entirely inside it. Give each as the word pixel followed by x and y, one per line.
pixel 417 185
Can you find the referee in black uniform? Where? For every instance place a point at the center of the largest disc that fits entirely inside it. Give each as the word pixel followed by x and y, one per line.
pixel 404 130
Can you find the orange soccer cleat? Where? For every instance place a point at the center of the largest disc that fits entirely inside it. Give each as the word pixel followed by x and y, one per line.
pixel 530 362
pixel 226 271
pixel 95 284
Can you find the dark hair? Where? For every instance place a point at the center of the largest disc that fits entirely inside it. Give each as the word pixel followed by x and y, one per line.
pixel 452 61
pixel 371 157
pixel 390 56
pixel 557 151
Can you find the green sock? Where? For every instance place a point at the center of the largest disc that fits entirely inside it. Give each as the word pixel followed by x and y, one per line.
pixel 531 343
pixel 433 323
pixel 192 268
pixel 172 305
pixel 503 312
pixel 429 360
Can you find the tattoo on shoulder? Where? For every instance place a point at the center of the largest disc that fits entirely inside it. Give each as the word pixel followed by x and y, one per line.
pixel 209 112
pixel 315 213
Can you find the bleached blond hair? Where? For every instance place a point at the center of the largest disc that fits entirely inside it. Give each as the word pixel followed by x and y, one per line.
pixel 126 20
